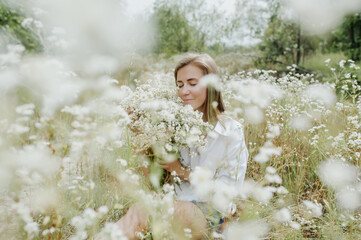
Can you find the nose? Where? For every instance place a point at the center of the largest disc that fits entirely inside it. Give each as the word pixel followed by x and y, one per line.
pixel 185 89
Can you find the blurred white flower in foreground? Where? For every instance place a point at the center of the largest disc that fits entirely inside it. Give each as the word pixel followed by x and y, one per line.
pixel 295 225
pixel 301 123
pixel 315 209
pixel 44 199
pixel 322 15
pixel 88 218
pixel 273 178
pixel 223 195
pixel 337 174
pixel 26 109
pixel 111 231
pixel 201 180
pixel 13 54
pixel 31 227
pixel 255 92
pixel 283 215
pixel 211 80
pixel 5 177
pixel 274 131
pixel 270 170
pixel 266 152
pixel 46 79
pixel 349 198
pixel 250 230
pixel 8 79
pixel 258 192
pixel 321 93
pixel 205 188
pixel 101 29
pixel 37 158
pixel 253 114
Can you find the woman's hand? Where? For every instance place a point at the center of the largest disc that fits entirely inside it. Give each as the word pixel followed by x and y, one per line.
pixel 177 168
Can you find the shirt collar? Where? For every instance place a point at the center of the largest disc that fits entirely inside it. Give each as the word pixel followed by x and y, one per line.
pixel 220 128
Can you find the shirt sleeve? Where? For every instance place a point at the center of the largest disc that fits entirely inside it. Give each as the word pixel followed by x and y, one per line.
pixel 234 164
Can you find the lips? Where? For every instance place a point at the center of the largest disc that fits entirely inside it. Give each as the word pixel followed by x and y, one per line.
pixel 187 100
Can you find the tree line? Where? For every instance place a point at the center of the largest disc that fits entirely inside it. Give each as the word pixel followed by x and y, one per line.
pixel 283 42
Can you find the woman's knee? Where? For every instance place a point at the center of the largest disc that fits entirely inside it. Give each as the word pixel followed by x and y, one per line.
pixel 138 215
pixel 135 220
pixel 190 216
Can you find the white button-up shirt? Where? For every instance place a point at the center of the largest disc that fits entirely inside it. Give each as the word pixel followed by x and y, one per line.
pixel 225 155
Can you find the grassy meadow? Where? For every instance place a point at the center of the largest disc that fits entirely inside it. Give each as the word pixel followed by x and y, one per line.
pixel 69 174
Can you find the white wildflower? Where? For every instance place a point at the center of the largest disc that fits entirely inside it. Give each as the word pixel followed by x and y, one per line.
pixel 26 109
pixel 294 225
pixel 188 232
pixel 321 93
pixel 44 199
pixel 337 174
pixel 223 196
pixel 314 208
pixel 301 123
pixel 111 231
pixel 266 152
pixel 283 215
pixel 349 198
pixel 263 194
pixel 274 131
pixel 217 235
pixel 201 181
pixel 18 129
pixel 273 178
pixel 342 63
pixel 27 22
pixel 282 190
pixel 253 115
pixel 103 210
pixel 211 80
pixel 246 230
pixel 122 162
pixel 32 228
pixel 270 170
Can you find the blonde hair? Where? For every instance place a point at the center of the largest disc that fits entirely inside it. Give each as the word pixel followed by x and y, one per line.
pixel 208 66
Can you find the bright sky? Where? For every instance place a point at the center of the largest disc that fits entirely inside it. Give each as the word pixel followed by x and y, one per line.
pixel 135 7
pixel 139 6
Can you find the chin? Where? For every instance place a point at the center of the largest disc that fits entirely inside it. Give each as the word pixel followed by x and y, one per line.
pixel 194 108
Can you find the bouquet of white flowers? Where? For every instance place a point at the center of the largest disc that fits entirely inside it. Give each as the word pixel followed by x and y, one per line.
pixel 161 124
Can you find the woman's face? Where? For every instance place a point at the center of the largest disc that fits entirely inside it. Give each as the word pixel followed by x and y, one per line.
pixel 189 89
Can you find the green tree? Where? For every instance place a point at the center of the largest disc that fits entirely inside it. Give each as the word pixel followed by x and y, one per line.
pixel 284 43
pixel 347 37
pixel 10 24
pixel 175 34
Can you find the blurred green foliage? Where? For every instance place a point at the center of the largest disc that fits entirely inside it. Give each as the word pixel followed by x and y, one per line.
pixel 278 44
pixel 175 34
pixel 284 43
pixel 10 25
pixel 347 37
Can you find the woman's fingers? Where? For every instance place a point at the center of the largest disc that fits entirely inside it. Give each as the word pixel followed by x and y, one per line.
pixel 165 166
pixel 171 166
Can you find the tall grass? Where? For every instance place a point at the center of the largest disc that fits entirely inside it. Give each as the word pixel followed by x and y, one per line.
pixel 90 174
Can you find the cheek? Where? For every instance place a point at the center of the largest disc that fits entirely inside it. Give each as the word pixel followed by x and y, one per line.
pixel 202 93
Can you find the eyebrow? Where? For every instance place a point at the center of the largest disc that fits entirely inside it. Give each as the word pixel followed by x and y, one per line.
pixel 190 79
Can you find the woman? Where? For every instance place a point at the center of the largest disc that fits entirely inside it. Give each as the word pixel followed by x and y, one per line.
pixel 225 154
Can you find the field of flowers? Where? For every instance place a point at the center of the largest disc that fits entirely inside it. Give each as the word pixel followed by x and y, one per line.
pixel 69 169
pixel 71 159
